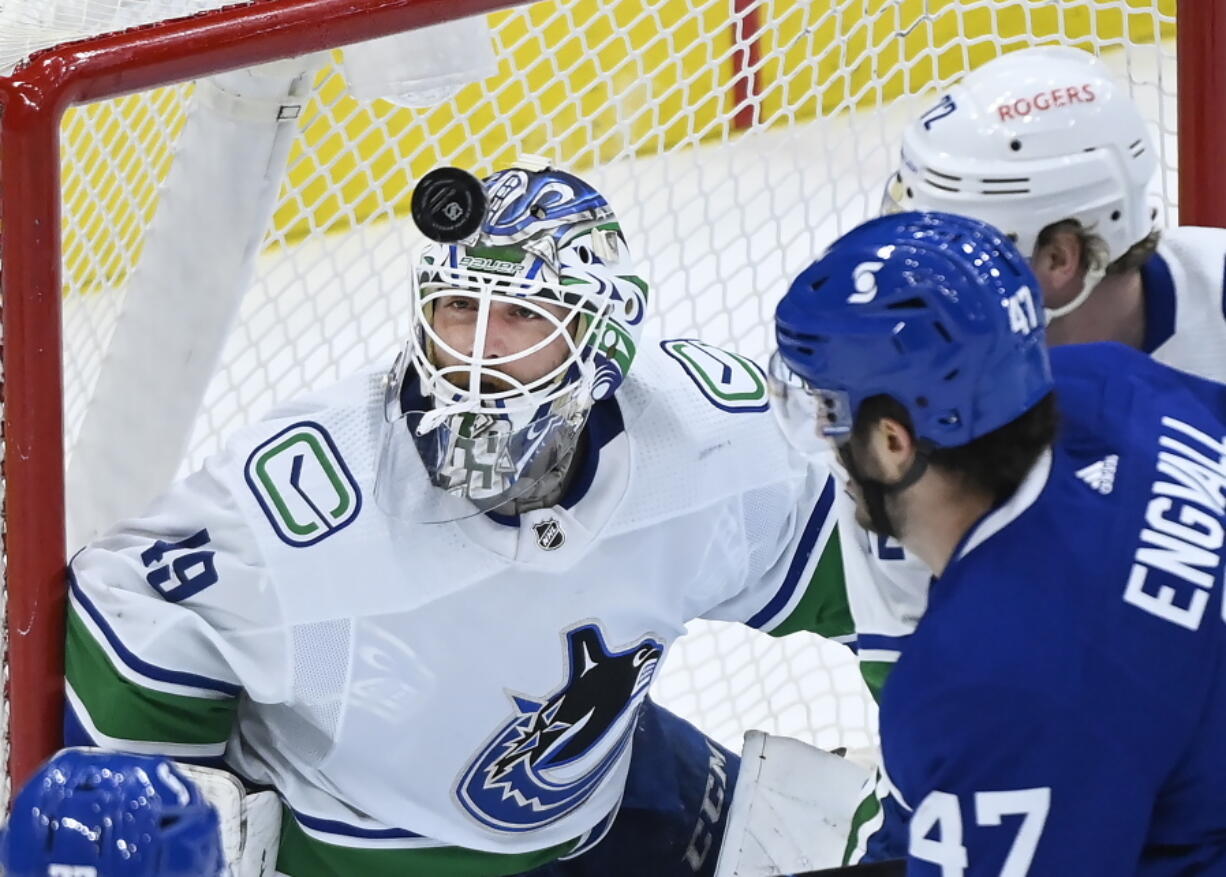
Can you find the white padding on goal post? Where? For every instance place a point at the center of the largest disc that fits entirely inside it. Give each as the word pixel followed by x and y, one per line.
pixel 181 301
pixel 424 67
pixel 791 808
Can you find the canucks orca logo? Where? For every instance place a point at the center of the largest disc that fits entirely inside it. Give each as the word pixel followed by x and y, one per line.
pixel 554 753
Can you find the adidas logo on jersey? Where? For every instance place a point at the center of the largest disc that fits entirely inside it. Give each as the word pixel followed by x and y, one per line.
pixel 1101 475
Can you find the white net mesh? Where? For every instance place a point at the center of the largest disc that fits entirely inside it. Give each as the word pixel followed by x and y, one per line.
pixel 735 140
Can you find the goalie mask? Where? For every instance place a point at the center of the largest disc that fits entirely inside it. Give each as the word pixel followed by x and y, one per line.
pixel 516 331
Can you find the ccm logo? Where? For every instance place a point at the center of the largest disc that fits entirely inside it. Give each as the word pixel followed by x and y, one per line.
pixel 1046 100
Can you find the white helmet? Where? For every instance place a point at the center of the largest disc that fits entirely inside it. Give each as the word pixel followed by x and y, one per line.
pixel 1029 139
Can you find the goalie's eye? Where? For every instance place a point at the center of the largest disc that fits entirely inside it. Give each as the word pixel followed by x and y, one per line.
pixel 526 313
pixel 458 303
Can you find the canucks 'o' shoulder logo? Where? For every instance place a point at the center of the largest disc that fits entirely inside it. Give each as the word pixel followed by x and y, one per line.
pixel 728 380
pixel 302 484
pixel 554 751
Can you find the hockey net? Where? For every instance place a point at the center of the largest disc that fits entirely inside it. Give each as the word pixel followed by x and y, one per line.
pixel 735 138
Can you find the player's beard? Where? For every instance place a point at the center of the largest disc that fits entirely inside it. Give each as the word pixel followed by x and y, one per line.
pixel 876 509
pixel 495 384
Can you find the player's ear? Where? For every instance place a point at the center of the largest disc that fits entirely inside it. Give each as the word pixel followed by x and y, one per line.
pixel 1057 261
pixel 893 448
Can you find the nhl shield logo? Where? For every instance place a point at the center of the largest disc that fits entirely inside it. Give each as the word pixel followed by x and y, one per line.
pixel 549 534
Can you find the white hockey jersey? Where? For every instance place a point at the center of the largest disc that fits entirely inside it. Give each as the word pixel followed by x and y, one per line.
pixel 474 684
pixel 1185 301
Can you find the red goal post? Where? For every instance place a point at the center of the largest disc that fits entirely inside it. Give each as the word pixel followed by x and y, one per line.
pixel 1202 114
pixel 33 101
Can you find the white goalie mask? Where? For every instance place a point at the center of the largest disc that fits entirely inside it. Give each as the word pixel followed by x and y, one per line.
pixel 1029 139
pixel 497 427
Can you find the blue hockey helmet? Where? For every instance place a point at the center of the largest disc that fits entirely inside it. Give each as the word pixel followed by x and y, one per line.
pixel 121 815
pixel 940 312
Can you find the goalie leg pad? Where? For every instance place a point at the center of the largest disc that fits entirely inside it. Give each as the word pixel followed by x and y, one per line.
pixel 250 823
pixel 791 808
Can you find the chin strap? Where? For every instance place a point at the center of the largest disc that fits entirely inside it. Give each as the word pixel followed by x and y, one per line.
pixel 875 491
pixel 1093 277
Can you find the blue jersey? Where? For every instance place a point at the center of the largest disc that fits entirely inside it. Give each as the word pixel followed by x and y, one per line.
pixel 1061 707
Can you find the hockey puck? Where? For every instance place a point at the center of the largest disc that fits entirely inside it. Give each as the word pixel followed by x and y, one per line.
pixel 448 205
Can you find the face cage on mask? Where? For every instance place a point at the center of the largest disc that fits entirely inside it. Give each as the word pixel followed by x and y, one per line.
pixel 473 382
pixel 487 448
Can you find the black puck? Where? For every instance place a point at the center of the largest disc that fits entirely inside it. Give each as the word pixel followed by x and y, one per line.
pixel 448 205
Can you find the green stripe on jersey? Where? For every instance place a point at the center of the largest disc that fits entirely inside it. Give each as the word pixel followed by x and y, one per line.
pixel 868 818
pixel 875 674
pixel 301 855
pixel 122 709
pixel 864 821
pixel 823 607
